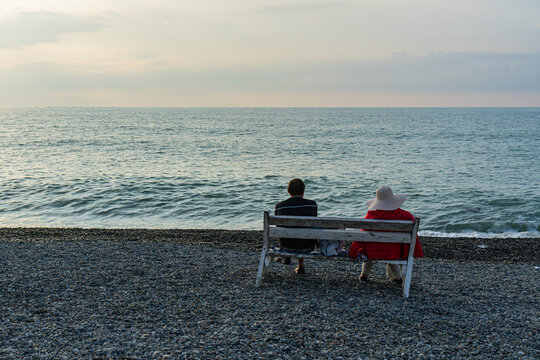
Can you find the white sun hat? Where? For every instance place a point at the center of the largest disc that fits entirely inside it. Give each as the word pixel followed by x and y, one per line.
pixel 386 200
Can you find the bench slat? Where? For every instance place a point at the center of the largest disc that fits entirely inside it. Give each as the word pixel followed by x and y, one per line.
pixel 347 235
pixel 348 229
pixel 322 257
pixel 336 223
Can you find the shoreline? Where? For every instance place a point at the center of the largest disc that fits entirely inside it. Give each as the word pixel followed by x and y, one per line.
pixel 510 250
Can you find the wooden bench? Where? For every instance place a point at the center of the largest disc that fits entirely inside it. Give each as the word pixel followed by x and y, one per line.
pixel 321 228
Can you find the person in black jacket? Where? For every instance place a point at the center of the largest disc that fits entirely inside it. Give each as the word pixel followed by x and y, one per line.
pixel 296 205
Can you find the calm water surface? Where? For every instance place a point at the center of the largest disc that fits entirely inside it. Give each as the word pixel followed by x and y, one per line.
pixel 466 171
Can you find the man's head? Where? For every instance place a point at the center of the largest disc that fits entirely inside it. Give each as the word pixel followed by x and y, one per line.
pixel 296 187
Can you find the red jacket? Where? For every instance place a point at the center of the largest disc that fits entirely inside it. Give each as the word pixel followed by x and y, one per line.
pixel 385 250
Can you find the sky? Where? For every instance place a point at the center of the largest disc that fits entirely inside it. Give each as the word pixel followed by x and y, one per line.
pixel 253 53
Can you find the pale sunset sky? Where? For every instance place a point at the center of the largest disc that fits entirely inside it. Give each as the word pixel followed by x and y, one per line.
pixel 269 53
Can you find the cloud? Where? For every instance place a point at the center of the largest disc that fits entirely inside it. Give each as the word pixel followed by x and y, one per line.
pixel 454 72
pixel 301 7
pixel 433 72
pixel 442 73
pixel 35 27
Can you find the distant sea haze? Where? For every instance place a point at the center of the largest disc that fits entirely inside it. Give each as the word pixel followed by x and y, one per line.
pixel 466 171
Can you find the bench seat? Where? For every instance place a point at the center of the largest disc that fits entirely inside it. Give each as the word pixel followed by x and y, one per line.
pixel 347 229
pixel 317 255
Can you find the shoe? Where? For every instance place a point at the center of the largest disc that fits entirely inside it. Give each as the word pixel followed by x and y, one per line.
pixel 397 281
pixel 363 278
pixel 286 261
pixel 300 270
pixel 362 257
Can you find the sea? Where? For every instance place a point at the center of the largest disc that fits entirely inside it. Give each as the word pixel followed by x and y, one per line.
pixel 466 171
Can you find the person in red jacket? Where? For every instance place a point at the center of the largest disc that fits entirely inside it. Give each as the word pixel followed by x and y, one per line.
pixel 386 206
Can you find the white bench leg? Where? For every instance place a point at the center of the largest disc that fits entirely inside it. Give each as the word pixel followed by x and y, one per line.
pixel 260 272
pixel 407 280
pixel 267 261
pixel 403 274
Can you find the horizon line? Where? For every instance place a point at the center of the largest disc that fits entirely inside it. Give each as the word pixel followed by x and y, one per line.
pixel 269 107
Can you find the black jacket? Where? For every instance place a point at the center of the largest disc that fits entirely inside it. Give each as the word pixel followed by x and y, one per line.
pixel 297 206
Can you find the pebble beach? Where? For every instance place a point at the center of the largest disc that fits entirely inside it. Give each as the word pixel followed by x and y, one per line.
pixel 189 294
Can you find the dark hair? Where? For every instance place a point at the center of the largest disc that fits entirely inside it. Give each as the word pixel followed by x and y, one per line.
pixel 296 187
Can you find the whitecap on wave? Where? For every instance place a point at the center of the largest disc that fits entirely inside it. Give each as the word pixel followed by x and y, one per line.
pixel 480 235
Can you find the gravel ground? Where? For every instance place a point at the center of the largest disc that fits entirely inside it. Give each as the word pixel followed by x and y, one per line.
pixel 158 294
pixel 505 250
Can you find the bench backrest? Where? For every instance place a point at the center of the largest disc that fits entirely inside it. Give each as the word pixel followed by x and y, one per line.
pixel 325 228
pixel 348 229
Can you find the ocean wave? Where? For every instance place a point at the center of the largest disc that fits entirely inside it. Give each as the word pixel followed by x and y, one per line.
pixel 481 235
pixel 220 168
